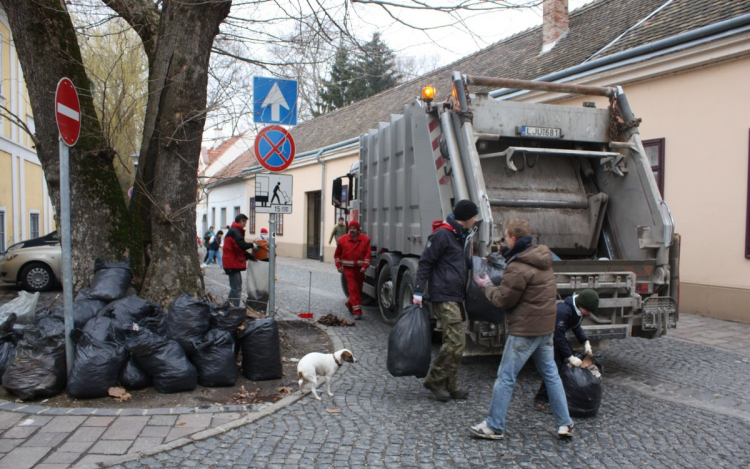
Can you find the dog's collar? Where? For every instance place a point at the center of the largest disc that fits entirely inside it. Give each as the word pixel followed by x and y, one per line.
pixel 337 362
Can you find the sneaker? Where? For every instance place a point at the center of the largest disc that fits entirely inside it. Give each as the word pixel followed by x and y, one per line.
pixel 357 317
pixel 440 394
pixel 204 266
pixel 460 394
pixel 482 430
pixel 566 431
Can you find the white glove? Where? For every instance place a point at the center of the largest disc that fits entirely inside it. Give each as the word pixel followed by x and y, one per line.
pixel 575 361
pixel 417 300
pixel 587 349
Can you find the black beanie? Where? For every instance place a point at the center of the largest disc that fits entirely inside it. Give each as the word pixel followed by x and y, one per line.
pixel 588 299
pixel 464 210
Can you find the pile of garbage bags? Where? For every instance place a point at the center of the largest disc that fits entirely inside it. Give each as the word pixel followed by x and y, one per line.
pixel 128 341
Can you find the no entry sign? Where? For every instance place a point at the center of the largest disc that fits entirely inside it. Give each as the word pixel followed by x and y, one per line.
pixel 67 111
pixel 274 148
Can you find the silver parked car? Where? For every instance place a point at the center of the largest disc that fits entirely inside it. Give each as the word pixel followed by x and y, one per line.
pixel 35 263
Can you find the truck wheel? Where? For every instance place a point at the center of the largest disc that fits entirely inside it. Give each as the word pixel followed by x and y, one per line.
pixel 405 290
pixel 37 277
pixel 387 296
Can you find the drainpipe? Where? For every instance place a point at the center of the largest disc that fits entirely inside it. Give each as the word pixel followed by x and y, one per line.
pixel 319 159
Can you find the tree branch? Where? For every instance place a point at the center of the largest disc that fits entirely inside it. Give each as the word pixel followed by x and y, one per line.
pixel 143 16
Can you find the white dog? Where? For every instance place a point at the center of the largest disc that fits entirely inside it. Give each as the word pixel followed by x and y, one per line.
pixel 323 365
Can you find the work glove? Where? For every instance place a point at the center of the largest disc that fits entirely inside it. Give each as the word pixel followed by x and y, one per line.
pixel 417 299
pixel 482 281
pixel 575 361
pixel 587 349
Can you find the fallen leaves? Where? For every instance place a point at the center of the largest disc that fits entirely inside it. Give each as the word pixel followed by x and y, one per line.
pixel 284 390
pixel 331 319
pixel 333 411
pixel 120 394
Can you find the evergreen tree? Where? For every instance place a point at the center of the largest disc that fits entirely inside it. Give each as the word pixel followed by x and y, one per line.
pixel 337 91
pixel 375 68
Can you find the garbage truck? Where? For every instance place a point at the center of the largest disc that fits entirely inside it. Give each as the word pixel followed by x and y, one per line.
pixel 579 175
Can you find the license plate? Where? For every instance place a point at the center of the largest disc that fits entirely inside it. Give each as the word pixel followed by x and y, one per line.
pixel 540 132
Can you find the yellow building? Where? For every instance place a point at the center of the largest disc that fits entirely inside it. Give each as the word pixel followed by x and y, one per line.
pixel 25 208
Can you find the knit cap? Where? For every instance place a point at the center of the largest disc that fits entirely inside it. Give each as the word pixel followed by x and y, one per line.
pixel 588 299
pixel 464 210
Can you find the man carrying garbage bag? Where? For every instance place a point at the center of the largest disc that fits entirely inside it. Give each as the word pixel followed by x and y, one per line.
pixel 570 314
pixel 236 257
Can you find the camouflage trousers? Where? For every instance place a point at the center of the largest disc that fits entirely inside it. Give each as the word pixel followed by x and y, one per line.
pixel 444 370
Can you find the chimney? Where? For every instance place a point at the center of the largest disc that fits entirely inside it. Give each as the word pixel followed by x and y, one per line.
pixel 555 23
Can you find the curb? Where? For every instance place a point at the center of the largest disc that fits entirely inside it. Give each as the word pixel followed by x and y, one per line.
pixel 264 411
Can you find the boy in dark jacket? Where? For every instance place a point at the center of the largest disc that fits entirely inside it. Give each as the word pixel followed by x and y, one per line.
pixel 570 314
pixel 527 292
pixel 445 265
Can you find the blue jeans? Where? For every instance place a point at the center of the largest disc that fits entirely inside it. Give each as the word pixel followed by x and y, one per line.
pixel 235 288
pixel 214 255
pixel 515 355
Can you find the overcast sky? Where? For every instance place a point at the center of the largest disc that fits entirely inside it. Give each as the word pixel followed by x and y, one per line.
pixel 453 43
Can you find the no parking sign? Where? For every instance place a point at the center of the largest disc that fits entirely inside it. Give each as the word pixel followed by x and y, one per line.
pixel 274 148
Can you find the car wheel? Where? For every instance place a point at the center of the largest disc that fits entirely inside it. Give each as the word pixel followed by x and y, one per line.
pixel 387 296
pixel 37 277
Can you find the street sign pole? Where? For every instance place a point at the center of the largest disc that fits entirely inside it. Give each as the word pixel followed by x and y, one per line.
pixel 271 267
pixel 67 268
pixel 68 117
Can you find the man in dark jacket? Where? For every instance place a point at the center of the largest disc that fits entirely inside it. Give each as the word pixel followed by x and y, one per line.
pixel 444 266
pixel 570 314
pixel 527 292
pixel 236 257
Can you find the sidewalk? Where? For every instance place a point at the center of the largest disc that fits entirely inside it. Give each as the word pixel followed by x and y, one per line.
pixel 700 330
pixel 33 435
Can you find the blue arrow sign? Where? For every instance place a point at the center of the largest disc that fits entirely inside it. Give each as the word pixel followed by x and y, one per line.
pixel 274 101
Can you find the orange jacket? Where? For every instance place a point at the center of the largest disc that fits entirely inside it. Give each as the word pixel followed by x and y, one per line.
pixel 353 252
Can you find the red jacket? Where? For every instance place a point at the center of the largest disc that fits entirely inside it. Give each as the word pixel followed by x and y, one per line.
pixel 235 249
pixel 353 252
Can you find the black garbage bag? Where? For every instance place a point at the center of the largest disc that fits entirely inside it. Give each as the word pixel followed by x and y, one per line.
pixel 103 328
pixel 478 307
pixel 228 320
pixel 583 388
pixel 132 376
pixel 8 342
pixel 96 367
pixel 409 343
pixel 156 322
pixel 39 369
pixel 128 310
pixel 214 358
pixel 261 350
pixel 163 360
pixel 188 320
pixel 111 280
pixel 85 307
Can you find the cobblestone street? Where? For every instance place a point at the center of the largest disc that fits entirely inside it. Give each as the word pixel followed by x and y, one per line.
pixel 667 403
pixel 679 401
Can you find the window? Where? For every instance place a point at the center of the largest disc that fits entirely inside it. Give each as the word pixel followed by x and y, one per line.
pixel 279 218
pixel 213 217
pixel 205 223
pixel 223 217
pixel 655 152
pixel 340 212
pixel 251 216
pixel 2 230
pixel 236 211
pixel 34 225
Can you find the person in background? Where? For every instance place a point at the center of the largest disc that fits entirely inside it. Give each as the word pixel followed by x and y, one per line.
pixel 261 246
pixel 206 238
pixel 570 314
pixel 444 267
pixel 236 257
pixel 528 293
pixel 214 249
pixel 352 259
pixel 339 230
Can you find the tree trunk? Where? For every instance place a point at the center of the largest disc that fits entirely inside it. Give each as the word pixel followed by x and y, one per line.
pixel 167 173
pixel 48 50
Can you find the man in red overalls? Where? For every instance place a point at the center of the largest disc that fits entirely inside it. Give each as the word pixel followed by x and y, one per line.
pixel 352 259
